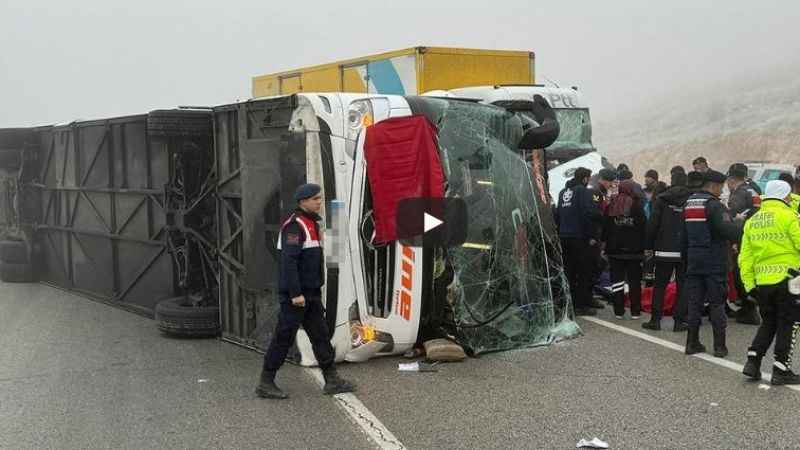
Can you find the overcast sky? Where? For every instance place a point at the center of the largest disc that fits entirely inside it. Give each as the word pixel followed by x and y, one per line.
pixel 64 60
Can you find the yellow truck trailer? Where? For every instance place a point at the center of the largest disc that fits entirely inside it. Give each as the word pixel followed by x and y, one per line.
pixel 409 71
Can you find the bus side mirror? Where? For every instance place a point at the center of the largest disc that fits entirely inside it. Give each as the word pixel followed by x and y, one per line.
pixel 545 134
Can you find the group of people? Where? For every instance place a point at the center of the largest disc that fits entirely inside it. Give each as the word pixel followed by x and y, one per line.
pixel 684 232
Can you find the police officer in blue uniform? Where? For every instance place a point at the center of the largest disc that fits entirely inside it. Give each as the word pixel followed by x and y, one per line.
pixel 302 274
pixel 708 232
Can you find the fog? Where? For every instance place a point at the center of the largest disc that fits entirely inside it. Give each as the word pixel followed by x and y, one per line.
pixel 62 61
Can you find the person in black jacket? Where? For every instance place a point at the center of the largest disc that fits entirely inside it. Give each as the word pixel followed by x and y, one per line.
pixel 700 164
pixel 603 187
pixel 744 201
pixel 624 234
pixel 578 217
pixel 695 181
pixel 664 244
pixel 707 234
pixel 299 288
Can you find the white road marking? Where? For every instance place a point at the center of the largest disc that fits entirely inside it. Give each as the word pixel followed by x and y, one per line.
pixel 361 416
pixel 678 348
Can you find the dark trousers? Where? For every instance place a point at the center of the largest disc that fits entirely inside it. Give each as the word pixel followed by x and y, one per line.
pixel 741 294
pixel 579 268
pixel 629 270
pixel 778 318
pixel 713 288
pixel 664 271
pixel 312 319
pixel 737 279
pixel 598 264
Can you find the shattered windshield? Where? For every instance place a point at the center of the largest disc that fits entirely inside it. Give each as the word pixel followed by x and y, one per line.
pixel 576 129
pixel 508 288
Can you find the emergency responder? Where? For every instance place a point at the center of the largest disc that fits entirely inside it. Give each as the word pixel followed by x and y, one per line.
pixel 743 202
pixel 708 231
pixel 577 217
pixel 770 249
pixel 700 164
pixel 663 242
pixel 623 234
pixel 299 289
pixel 789 179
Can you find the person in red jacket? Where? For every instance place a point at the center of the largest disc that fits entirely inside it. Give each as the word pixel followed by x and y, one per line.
pixel 624 235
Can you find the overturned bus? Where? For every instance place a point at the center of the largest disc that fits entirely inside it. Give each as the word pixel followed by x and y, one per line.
pixel 213 200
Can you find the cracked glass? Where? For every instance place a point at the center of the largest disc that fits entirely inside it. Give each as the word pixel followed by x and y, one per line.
pixel 576 129
pixel 506 286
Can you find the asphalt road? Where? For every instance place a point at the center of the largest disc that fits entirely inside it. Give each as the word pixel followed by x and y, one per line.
pixel 76 374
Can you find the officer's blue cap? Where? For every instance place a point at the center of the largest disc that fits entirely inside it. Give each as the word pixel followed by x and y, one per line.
pixel 307 190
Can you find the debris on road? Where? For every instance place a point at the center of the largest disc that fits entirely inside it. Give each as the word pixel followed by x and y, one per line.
pixel 417 366
pixel 444 350
pixel 594 443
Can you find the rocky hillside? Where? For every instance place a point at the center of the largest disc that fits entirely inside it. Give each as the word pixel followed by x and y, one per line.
pixel 752 120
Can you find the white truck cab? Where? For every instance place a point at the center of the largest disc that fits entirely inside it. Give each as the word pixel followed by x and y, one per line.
pixel 574 143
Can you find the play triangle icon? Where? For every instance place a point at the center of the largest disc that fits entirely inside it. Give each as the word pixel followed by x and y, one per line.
pixel 431 222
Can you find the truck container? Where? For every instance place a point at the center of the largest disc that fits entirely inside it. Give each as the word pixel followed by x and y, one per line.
pixel 410 71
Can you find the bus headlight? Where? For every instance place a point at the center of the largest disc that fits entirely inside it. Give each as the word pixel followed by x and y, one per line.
pixel 359 116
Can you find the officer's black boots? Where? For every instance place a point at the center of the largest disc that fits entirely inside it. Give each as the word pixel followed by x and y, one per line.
pixel 782 368
pixel 679 327
pixel 654 324
pixel 748 314
pixel 720 349
pixel 693 344
pixel 595 303
pixel 781 377
pixel 335 384
pixel 267 387
pixel 752 368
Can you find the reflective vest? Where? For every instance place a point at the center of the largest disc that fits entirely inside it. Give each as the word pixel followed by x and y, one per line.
pixel 770 245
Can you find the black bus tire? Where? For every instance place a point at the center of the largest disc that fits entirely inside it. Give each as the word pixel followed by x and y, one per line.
pixel 187 321
pixel 14 252
pixel 16 273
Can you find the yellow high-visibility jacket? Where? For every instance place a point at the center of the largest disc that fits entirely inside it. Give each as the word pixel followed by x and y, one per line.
pixel 770 245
